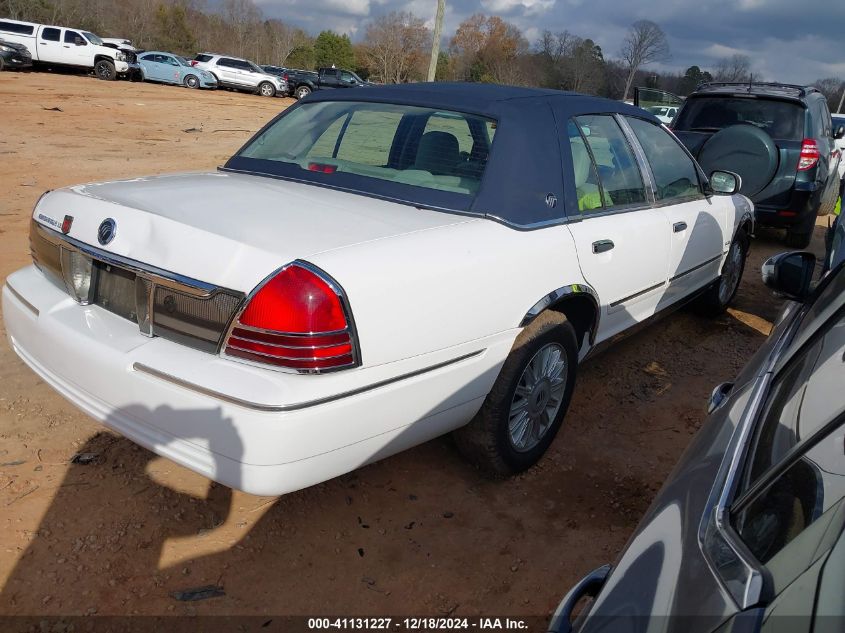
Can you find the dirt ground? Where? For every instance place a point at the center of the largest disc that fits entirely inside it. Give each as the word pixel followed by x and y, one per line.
pixel 419 533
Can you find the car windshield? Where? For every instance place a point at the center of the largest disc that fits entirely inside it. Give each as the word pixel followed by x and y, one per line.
pixel 781 119
pixel 96 41
pixel 407 145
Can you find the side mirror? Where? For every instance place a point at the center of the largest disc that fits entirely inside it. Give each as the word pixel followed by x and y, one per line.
pixel 725 183
pixel 840 132
pixel 790 274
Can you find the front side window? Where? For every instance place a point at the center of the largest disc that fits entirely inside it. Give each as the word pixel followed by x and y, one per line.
pixel 51 34
pixel 72 37
pixel 796 467
pixel 380 141
pixel 619 176
pixel 675 174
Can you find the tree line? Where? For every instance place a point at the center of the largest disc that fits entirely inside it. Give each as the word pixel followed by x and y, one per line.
pixel 395 48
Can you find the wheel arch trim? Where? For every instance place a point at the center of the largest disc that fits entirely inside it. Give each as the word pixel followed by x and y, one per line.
pixel 559 297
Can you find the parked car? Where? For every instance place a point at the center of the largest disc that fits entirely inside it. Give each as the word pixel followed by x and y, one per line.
pixel 14 55
pixel 174 69
pixel 240 74
pixel 58 45
pixel 120 42
pixel 839 124
pixel 779 138
pixel 664 113
pixel 203 305
pixel 747 532
pixel 291 76
pixel 303 83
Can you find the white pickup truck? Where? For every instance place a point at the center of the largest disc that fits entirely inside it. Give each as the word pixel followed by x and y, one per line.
pixel 57 45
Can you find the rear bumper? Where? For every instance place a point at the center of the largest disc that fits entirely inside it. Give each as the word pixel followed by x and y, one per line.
pixel 257 430
pixel 800 211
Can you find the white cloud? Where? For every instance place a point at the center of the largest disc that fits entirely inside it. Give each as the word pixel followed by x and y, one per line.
pixel 531 7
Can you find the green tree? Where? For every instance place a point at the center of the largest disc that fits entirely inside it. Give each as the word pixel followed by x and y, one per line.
pixel 171 31
pixel 692 78
pixel 332 48
pixel 443 67
pixel 301 57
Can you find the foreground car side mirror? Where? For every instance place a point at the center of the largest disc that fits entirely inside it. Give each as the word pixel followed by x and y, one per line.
pixel 725 183
pixel 840 132
pixel 790 274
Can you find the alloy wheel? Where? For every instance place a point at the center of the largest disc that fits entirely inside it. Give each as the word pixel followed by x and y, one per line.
pixel 537 398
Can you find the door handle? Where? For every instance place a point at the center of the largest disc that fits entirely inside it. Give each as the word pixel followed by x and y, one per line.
pixel 602 246
pixel 677 227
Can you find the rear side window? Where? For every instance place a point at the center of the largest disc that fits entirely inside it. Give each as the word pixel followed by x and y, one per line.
pixel 51 34
pixel 226 62
pixel 675 175
pixel 20 29
pixel 618 174
pixel 380 141
pixel 780 119
pixel 202 58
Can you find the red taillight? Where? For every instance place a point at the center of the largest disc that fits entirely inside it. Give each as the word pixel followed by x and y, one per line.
pixel 285 76
pixel 323 168
pixel 192 62
pixel 297 320
pixel 809 155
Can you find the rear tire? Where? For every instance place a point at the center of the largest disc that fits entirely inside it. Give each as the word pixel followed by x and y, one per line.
pixel 526 406
pixel 302 92
pixel 104 70
pixel 266 89
pixel 828 203
pixel 191 81
pixel 795 239
pixel 719 295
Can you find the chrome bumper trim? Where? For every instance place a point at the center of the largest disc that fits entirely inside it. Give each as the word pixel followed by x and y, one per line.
pixel 296 406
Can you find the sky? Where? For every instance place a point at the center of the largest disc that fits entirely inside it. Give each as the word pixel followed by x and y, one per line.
pixel 787 40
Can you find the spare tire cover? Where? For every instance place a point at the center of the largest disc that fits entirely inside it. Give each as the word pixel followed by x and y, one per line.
pixel 743 149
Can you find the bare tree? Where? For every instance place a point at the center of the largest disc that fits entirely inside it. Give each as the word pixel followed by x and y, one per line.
pixel 243 18
pixel 644 44
pixel 734 68
pixel 396 47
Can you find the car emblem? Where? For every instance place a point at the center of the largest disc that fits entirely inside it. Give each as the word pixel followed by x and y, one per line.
pixel 68 222
pixel 551 200
pixel 107 231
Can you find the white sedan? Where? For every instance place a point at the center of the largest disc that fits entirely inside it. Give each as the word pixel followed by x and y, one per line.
pixel 369 272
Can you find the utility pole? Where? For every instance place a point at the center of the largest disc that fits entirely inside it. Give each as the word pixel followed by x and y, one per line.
pixel 841 99
pixel 435 45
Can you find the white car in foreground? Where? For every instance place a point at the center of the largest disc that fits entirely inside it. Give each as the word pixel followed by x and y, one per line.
pixel 370 271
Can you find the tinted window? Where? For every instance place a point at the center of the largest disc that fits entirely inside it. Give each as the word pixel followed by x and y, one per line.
pixel 202 58
pixel 72 36
pixel 586 178
pixel 50 34
pixel 619 176
pixel 373 140
pixel 825 119
pixel 226 62
pixel 21 29
pixel 675 174
pixel 147 58
pixel 781 119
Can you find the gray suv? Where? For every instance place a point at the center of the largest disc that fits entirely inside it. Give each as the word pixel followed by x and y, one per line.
pixel 240 74
pixel 747 533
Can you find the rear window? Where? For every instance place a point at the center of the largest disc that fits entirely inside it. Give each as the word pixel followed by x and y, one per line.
pixel 407 145
pixel 781 119
pixel 21 29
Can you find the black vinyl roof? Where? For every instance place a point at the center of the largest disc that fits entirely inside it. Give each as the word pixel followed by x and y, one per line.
pixel 524 179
